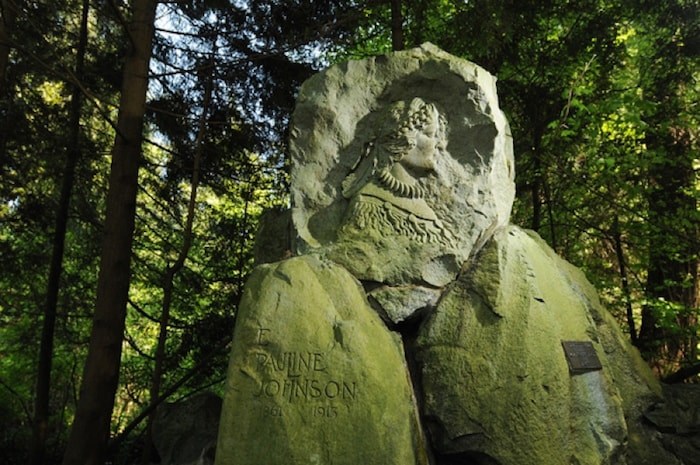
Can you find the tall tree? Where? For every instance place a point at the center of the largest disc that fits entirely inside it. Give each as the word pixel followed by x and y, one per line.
pixel 40 131
pixel 8 15
pixel 91 428
pixel 187 237
pixel 43 385
pixel 670 319
pixel 396 25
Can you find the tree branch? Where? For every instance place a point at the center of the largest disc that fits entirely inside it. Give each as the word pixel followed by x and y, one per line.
pixel 12 391
pixel 118 440
pixel 683 374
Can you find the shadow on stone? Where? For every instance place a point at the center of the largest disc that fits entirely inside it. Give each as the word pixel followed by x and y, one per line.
pixel 184 432
pixel 677 420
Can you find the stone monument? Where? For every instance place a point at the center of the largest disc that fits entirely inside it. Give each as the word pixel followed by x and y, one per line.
pixel 413 324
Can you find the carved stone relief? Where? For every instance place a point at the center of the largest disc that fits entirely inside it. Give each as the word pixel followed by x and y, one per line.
pixel 384 188
pixel 402 186
pixel 400 170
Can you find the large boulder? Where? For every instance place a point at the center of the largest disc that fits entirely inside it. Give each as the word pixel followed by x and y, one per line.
pixel 401 165
pixel 676 421
pixel 184 432
pixel 402 186
pixel 315 377
pixel 497 383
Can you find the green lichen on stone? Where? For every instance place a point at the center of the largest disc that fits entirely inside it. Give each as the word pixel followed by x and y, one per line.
pixel 315 377
pixel 402 178
pixel 406 156
pixel 495 377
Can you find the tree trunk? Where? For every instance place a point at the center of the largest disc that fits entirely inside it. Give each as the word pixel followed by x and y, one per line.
pixel 550 212
pixel 418 12
pixel 171 271
pixel 536 184
pixel 668 334
pixel 396 26
pixel 540 116
pixel 622 267
pixel 43 384
pixel 91 428
pixel 8 15
pixel 672 268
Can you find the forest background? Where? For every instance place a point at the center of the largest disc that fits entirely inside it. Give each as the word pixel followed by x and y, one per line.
pixel 140 142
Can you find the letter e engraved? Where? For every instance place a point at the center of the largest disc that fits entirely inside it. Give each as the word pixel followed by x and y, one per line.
pixel 261 339
pixel 318 362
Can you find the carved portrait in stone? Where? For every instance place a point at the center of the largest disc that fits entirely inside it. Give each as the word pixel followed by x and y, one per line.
pixel 400 172
pixel 384 188
pixel 415 320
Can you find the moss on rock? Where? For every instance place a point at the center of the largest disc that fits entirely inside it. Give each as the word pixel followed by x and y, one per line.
pixel 315 377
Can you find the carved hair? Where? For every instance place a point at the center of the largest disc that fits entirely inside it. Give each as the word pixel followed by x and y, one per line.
pixel 399 126
pixel 398 137
pixel 371 214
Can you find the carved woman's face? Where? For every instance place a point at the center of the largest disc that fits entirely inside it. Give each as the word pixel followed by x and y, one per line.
pixel 422 155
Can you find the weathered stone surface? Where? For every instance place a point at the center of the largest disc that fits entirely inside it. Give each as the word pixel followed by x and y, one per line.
pixel 494 374
pixel 315 377
pixel 399 303
pixel 402 165
pixel 402 178
pixel 677 420
pixel 273 242
pixel 184 432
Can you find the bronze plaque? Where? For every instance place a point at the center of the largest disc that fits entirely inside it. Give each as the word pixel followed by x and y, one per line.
pixel 581 356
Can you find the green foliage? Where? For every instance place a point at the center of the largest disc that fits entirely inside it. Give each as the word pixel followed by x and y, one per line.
pixel 34 120
pixel 602 98
pixel 242 173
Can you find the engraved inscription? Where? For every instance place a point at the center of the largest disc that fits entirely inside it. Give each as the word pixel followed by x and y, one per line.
pixel 324 411
pixel 292 377
pixel 297 388
pixel 293 363
pixel 581 357
pixel 261 339
pixel 272 411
